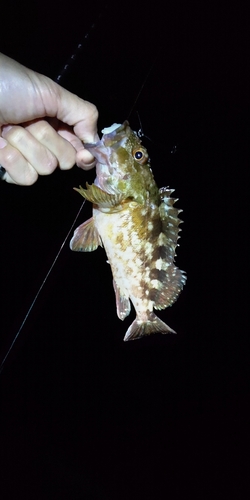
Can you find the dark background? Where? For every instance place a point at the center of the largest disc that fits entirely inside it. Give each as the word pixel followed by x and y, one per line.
pixel 83 414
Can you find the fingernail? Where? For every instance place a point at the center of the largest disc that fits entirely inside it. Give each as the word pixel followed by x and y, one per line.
pixel 3 143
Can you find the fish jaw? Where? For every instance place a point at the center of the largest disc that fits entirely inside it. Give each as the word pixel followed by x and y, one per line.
pixel 104 149
pixel 107 164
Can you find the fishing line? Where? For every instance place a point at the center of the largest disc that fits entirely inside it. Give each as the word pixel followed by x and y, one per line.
pixel 40 289
pixel 141 89
pixel 58 79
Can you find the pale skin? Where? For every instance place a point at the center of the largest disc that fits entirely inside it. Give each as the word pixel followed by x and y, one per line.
pixel 42 125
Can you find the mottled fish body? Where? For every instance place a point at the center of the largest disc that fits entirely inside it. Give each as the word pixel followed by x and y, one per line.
pixel 138 226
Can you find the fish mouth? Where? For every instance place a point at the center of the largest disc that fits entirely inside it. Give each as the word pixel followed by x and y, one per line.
pixel 106 151
pixel 113 138
pixel 99 151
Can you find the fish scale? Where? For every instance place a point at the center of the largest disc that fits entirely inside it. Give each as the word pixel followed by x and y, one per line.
pixel 138 226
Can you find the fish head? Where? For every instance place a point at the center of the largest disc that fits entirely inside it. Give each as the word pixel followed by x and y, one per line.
pixel 123 165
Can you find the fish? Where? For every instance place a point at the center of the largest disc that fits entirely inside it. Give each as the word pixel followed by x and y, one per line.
pixel 138 226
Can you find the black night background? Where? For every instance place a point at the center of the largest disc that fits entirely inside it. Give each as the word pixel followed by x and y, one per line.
pixel 83 414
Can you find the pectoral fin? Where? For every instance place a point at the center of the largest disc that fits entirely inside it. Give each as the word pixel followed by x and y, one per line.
pixel 86 237
pixel 99 197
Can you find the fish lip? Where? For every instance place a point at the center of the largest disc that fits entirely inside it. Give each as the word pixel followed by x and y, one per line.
pixel 103 149
pixel 91 145
pixel 99 151
pixel 105 137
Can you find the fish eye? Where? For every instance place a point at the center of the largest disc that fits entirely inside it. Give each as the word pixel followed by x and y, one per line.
pixel 140 155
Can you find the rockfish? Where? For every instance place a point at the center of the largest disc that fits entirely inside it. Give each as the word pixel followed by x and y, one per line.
pixel 137 225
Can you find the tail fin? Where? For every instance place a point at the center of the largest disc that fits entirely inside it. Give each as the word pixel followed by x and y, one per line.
pixel 140 328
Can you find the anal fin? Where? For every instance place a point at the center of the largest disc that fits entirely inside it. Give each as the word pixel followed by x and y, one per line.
pixel 123 305
pixel 86 237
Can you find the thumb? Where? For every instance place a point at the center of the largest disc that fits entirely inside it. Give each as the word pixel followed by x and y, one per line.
pixel 81 115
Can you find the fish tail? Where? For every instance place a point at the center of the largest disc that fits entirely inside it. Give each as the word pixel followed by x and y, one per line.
pixel 152 325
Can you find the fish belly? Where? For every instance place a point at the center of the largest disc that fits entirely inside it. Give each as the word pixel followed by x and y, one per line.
pixel 125 252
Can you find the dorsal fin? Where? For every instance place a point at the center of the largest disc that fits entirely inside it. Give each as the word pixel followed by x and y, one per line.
pixel 167 285
pixel 170 222
pixel 167 280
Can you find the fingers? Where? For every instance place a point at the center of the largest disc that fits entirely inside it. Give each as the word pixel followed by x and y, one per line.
pixel 18 170
pixel 81 115
pixel 86 128
pixel 28 149
pixel 84 158
pixel 35 149
pixel 62 150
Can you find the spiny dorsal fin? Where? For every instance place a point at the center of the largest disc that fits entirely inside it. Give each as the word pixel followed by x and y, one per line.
pixel 167 280
pixel 170 222
pixel 86 237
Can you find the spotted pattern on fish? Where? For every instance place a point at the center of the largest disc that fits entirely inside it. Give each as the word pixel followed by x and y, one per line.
pixel 138 226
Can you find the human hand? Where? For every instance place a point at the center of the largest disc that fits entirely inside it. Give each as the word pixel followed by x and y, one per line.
pixel 42 125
